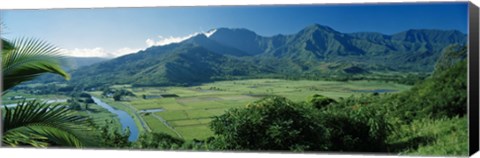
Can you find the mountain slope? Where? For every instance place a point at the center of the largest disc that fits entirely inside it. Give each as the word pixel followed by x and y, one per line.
pixel 239 53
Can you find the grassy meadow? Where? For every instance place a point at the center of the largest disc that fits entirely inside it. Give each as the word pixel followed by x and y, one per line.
pixel 188 115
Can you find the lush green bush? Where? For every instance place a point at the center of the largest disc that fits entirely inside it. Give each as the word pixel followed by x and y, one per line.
pixel 158 141
pixel 444 136
pixel 357 126
pixel 113 138
pixel 319 101
pixel 273 123
pixel 444 94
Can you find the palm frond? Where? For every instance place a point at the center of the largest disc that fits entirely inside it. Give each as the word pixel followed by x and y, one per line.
pixel 47 123
pixel 6 46
pixel 28 59
pixel 41 136
pixel 15 139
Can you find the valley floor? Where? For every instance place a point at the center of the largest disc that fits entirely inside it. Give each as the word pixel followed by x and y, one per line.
pixel 186 111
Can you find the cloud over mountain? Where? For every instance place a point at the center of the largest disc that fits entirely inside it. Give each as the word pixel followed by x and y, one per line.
pixel 97 52
pixel 171 39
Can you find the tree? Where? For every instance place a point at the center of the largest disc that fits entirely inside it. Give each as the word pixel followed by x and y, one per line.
pixel 319 101
pixel 158 141
pixel 357 128
pixel 112 137
pixel 33 123
pixel 273 123
pixel 88 101
pixel 117 96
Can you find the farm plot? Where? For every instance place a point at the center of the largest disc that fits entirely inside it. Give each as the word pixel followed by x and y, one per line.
pixel 189 116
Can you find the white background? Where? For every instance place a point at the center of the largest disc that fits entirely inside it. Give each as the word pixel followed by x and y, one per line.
pixel 94 153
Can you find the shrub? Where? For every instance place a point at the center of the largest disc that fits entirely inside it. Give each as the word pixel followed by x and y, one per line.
pixel 319 101
pixel 158 141
pixel 273 123
pixel 359 128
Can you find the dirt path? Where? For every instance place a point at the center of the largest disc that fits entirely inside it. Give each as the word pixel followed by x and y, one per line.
pixel 166 124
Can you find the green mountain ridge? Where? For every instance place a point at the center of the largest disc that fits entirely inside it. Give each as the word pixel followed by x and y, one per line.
pixel 240 53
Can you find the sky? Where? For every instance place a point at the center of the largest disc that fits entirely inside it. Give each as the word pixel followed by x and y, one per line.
pixel 112 32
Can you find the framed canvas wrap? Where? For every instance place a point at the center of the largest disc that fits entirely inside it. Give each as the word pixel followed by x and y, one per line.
pixel 374 79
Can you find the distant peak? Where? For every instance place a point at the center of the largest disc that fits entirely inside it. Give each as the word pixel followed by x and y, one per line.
pixel 225 33
pixel 233 30
pixel 318 26
pixel 200 35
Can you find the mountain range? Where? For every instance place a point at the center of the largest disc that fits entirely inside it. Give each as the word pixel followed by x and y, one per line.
pixel 316 50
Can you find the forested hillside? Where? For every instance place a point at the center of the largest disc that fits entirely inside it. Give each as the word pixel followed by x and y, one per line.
pixel 314 52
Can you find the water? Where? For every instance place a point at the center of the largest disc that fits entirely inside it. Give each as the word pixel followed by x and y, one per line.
pixel 375 91
pixel 125 119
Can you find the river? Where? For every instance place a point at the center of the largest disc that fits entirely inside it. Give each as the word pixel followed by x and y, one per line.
pixel 125 119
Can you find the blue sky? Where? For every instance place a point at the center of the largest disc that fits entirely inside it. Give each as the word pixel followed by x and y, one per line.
pixel 117 31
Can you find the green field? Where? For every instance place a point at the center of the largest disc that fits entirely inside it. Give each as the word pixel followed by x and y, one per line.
pixel 101 116
pixel 190 113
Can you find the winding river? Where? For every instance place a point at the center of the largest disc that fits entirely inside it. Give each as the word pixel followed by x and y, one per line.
pixel 125 119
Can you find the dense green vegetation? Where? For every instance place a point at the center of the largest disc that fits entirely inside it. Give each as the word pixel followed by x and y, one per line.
pixel 31 122
pixel 273 123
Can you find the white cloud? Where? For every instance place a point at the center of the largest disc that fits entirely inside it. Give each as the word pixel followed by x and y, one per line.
pixel 100 52
pixel 84 52
pixel 209 33
pixel 97 52
pixel 169 40
pixel 125 51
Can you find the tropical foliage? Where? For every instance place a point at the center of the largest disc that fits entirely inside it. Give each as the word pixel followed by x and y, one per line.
pixel 40 125
pixel 273 123
pixel 32 122
pixel 25 59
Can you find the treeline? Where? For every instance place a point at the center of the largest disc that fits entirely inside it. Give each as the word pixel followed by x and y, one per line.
pixel 45 89
pixel 403 78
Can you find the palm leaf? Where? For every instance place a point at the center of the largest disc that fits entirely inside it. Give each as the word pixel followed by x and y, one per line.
pixel 46 125
pixel 15 139
pixel 6 46
pixel 25 59
pixel 33 123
